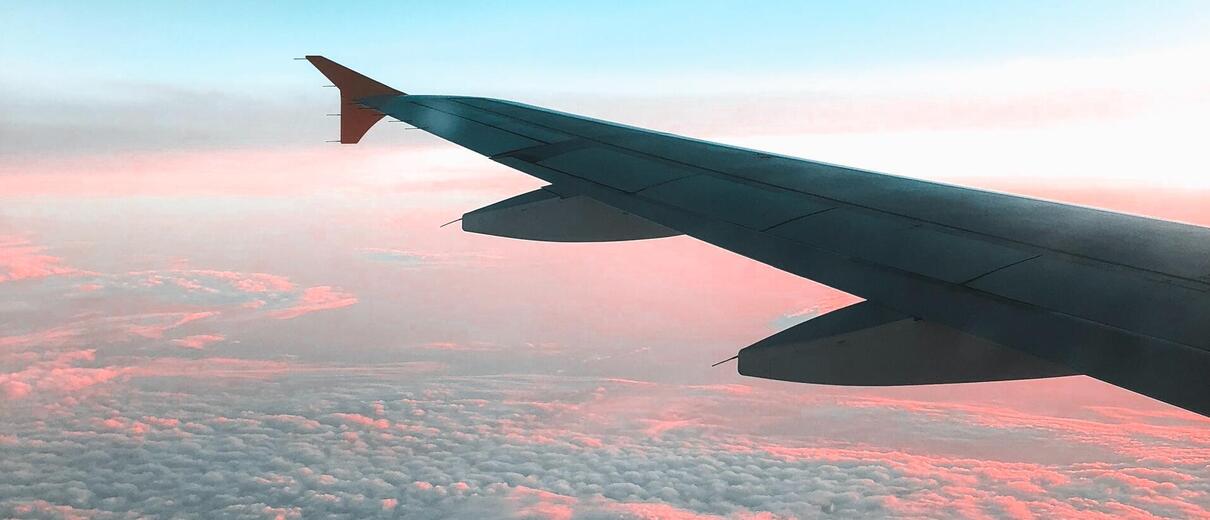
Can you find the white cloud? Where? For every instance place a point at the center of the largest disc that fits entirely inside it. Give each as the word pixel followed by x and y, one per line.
pixel 385 443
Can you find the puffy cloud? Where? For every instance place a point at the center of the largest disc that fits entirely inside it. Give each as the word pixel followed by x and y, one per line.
pixel 57 373
pixel 361 420
pixel 368 442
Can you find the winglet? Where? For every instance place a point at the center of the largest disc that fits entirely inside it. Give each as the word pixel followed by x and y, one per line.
pixel 355 119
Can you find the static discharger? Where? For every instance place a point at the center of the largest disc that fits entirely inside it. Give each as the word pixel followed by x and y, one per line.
pixel 725 360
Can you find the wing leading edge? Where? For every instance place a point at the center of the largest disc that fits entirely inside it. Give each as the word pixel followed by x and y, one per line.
pixel 1040 288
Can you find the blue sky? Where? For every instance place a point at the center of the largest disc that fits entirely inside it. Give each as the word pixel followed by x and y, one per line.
pixel 435 46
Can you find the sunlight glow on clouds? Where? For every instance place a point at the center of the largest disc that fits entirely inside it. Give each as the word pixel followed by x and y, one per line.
pixel 449 446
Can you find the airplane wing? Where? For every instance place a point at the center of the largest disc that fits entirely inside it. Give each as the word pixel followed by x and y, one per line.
pixel 961 285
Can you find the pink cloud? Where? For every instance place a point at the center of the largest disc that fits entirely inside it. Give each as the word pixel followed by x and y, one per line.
pixel 657 427
pixel 198 341
pixel 11 388
pixel 105 328
pixel 58 375
pixel 665 412
pixel 168 321
pixel 98 324
pixel 61 374
pixel 129 427
pixel 733 389
pixel 361 420
pixel 658 511
pixel 296 421
pixel 204 280
pixel 42 508
pixel 316 299
pixel 1183 437
pixel 162 422
pixel 51 337
pixel 588 442
pixel 964 485
pixel 249 282
pixel 543 504
pixel 22 260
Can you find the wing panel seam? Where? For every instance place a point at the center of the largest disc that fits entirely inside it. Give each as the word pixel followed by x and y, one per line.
pixel 459 116
pixel 995 238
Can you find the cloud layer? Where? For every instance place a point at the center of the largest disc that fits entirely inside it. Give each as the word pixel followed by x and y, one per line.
pixel 362 443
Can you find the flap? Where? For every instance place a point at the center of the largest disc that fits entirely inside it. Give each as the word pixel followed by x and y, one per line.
pixel 869 345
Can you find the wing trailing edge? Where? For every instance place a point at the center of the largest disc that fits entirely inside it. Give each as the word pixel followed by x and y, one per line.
pixel 869 345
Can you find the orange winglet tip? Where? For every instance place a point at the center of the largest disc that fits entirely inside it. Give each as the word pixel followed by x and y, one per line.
pixel 354 120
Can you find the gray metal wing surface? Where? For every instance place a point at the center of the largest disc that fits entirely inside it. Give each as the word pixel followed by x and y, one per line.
pixel 1051 289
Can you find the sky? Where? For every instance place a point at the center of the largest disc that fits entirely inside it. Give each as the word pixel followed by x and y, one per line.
pixel 207 311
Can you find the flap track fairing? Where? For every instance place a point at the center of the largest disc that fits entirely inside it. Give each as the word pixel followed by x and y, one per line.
pixel 869 345
pixel 545 215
